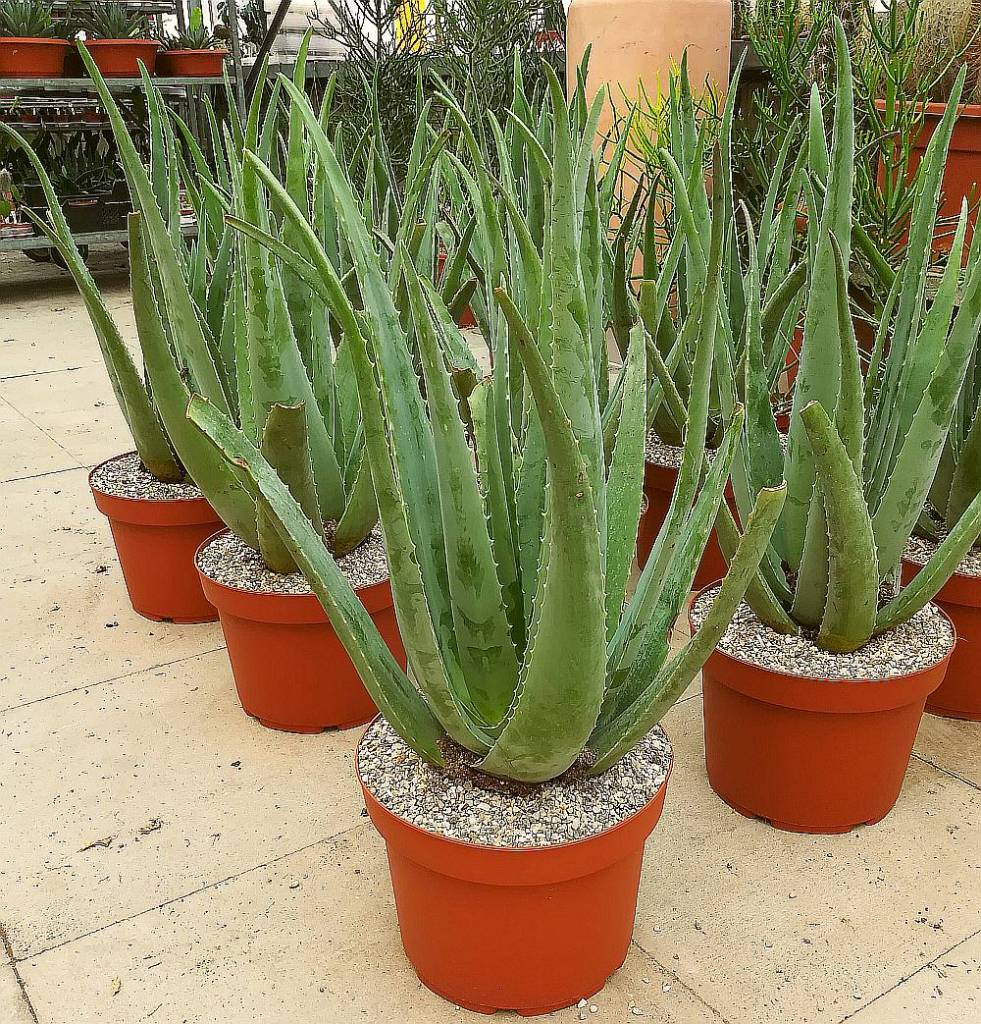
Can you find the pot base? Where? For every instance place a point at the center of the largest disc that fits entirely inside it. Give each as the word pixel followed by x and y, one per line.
pixel 489 1011
pixel 786 826
pixel 310 730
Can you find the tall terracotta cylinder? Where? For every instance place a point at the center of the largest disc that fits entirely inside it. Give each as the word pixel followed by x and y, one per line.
pixel 637 41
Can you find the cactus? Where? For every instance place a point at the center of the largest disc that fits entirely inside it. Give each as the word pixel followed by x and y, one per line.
pixel 526 662
pixel 862 456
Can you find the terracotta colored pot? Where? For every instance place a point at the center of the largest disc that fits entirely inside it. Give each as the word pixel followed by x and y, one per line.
pixel 32 58
pixel 963 170
pixel 156 542
pixel 466 320
pixel 191 63
pixel 119 58
pixel 291 670
pixel 529 930
pixel 959 695
pixel 659 484
pixel 810 755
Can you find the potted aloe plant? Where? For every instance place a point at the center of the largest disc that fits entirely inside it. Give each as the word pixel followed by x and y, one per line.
pixel 157 516
pixel 958 480
pixel 117 37
pixel 193 52
pixel 516 776
pixel 675 269
pixel 813 697
pixel 255 340
pixel 32 42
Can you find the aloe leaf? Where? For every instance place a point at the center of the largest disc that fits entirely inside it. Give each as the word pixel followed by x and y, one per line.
pixel 360 511
pixel 483 634
pixel 562 681
pixel 399 701
pixel 931 579
pixel 853 574
pixel 152 444
pixel 286 448
pixel 965 483
pixel 626 482
pixel 618 737
pixel 219 482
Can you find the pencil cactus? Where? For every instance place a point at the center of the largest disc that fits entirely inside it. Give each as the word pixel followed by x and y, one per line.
pixel 526 662
pixel 862 456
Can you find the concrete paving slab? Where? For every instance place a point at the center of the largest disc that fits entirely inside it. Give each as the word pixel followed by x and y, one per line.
pixel 14 1008
pixel 310 937
pixel 952 746
pixel 75 408
pixel 945 991
pixel 67 619
pixel 136 792
pixel 27 450
pixel 769 926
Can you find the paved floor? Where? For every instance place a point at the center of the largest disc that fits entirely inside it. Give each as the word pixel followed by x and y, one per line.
pixel 165 859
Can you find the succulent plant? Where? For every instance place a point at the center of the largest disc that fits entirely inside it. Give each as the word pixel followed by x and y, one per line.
pixel 28 19
pixel 510 516
pixel 111 19
pixel 862 456
pixel 197 36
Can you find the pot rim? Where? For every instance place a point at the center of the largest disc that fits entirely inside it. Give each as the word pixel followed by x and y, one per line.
pixel 821 679
pixel 933 108
pixel 128 43
pixel 137 501
pixel 962 589
pixel 209 49
pixel 486 848
pixel 34 41
pixel 369 591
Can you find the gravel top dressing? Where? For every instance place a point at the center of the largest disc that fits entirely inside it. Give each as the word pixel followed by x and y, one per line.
pixel 461 803
pixel 919 551
pixel 657 453
pixel 125 477
pixel 230 561
pixel 916 645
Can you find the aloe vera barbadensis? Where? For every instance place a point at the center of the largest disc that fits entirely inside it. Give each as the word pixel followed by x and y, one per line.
pixel 525 673
pixel 863 455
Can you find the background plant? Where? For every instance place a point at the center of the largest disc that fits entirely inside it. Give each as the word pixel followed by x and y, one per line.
pixel 29 19
pixel 197 36
pixel 111 19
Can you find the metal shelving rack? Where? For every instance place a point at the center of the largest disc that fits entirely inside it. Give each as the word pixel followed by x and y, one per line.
pixel 55 92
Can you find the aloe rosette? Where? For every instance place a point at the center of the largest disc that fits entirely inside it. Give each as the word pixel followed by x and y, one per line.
pixel 862 455
pixel 510 515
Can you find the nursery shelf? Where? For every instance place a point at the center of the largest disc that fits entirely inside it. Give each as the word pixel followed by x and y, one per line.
pixel 87 238
pixel 115 84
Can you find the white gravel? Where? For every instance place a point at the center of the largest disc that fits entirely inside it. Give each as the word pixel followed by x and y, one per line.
pixel 461 803
pixel 919 551
pixel 230 561
pixel 916 645
pixel 126 477
pixel 657 453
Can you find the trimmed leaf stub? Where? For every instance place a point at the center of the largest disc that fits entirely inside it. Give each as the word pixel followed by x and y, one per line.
pixel 461 803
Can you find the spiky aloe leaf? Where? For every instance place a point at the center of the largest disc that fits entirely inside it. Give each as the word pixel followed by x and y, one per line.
pixel 218 481
pixel 853 573
pixel 625 486
pixel 930 580
pixel 360 511
pixel 966 481
pixel 135 403
pixel 562 682
pixel 286 447
pixel 399 701
pixel 819 376
pixel 483 633
pixel 619 736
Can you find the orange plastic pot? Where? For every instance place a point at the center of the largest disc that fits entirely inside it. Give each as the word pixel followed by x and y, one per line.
pixel 156 542
pixel 526 930
pixel 659 484
pixel 120 58
pixel 191 63
pixel 291 670
pixel 810 755
pixel 959 695
pixel 32 58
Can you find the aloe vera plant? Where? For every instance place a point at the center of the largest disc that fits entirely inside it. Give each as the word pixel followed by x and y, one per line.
pixel 862 456
pixel 510 521
pixel 28 19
